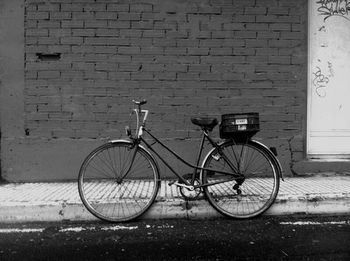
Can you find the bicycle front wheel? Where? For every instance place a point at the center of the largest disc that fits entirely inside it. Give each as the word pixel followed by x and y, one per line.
pixel 252 185
pixel 118 182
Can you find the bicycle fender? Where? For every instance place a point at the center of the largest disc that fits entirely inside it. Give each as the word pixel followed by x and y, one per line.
pixel 205 159
pixel 120 140
pixel 272 154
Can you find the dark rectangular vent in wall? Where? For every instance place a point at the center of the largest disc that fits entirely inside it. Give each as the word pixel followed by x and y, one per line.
pixel 48 56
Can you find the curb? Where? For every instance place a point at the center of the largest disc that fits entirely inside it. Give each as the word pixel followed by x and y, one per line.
pixel 168 209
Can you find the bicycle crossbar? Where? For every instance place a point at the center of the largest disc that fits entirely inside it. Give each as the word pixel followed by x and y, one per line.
pixel 195 167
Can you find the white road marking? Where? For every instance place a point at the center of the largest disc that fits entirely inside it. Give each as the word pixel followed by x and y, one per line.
pixel 113 228
pixel 21 230
pixel 308 223
pixel 62 230
pixel 74 229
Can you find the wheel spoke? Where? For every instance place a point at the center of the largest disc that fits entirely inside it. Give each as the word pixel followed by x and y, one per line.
pixel 110 198
pixel 260 185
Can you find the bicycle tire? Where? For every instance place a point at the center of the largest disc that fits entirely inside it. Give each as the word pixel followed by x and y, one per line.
pixel 108 197
pixel 261 179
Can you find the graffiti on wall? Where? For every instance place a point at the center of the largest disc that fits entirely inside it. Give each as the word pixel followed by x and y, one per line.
pixel 321 79
pixel 329 8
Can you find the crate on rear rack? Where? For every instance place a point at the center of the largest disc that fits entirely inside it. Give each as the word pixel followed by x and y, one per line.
pixel 239 126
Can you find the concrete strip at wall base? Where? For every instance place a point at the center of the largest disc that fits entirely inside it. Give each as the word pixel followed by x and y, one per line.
pixel 321 166
pixel 167 209
pixel 32 160
pixel 44 160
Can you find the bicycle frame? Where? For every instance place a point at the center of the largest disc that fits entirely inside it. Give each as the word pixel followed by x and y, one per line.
pixel 138 139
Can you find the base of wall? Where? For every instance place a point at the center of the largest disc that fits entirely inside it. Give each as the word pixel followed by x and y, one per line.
pixel 29 160
pixel 312 167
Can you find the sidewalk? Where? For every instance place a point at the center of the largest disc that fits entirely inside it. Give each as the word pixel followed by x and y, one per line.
pixel 27 202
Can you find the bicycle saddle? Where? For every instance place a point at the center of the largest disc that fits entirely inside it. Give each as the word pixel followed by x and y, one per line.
pixel 205 123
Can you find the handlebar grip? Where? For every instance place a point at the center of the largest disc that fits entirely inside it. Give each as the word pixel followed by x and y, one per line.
pixel 140 102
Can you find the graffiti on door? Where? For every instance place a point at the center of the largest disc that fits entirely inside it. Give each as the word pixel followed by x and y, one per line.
pixel 321 79
pixel 329 8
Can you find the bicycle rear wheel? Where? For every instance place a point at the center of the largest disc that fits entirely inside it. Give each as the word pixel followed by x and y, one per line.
pixel 110 196
pixel 248 195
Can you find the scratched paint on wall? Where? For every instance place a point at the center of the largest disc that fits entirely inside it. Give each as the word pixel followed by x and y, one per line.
pixel 329 67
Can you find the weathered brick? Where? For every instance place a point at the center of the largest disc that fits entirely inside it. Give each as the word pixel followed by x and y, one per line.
pixel 35 15
pixel 37 32
pixel 153 33
pixel 128 50
pixel 256 43
pixel 84 32
pixel 72 40
pixel 128 33
pixel 234 26
pixel 48 74
pixel 82 15
pixel 49 7
pixel 141 8
pixel 175 50
pixel 268 35
pixel 48 24
pixel 105 49
pixel 187 42
pixel 48 40
pixel 72 24
pixel 106 15
pixel 199 68
pixel 222 34
pixel 198 51
pixel 118 7
pixel 105 41
pixel 141 76
pixel 60 15
pixel 119 24
pixel 221 51
pixel 72 75
pixel 278 10
pixel 280 59
pixel 152 50
pixel 245 34
pixel 169 25
pixel 129 16
pixel 94 23
pixel 280 27
pixel 243 51
pixel 292 35
pixel 72 7
pixel 95 7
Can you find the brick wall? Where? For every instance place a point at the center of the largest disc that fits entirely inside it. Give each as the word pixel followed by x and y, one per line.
pixel 85 60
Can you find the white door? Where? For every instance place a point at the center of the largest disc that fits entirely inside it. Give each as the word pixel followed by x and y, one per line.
pixel 329 79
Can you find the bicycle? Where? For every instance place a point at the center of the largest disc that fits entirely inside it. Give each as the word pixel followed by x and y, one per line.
pixel 240 177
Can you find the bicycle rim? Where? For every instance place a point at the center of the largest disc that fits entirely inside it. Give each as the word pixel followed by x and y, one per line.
pixel 259 186
pixel 111 198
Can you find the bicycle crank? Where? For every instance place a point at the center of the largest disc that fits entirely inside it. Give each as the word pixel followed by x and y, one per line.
pixel 189 192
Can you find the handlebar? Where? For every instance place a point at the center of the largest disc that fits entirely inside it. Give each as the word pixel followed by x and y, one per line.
pixel 139 103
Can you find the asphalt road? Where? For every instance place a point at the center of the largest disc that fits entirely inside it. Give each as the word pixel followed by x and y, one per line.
pixel 263 238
